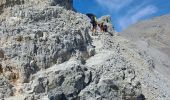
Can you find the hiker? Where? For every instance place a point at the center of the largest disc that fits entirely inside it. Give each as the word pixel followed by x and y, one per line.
pixel 103 28
pixel 93 21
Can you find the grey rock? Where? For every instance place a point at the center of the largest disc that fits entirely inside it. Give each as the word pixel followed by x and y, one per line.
pixel 47 53
pixel 5 87
pixel 60 83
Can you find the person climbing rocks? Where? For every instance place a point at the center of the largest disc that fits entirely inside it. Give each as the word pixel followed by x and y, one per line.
pixel 93 21
pixel 103 28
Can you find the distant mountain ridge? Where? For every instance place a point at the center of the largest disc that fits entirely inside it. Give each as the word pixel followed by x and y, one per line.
pixel 153 36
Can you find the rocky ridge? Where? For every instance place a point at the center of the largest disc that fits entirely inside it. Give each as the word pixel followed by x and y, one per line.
pixel 47 53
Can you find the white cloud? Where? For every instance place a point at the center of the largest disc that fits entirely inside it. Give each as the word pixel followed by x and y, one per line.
pixel 136 14
pixel 133 15
pixel 115 5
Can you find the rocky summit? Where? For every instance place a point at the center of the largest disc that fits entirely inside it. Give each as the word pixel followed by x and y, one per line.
pixel 47 52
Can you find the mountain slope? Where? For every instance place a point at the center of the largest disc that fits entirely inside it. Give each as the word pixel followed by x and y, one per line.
pixel 153 36
pixel 47 52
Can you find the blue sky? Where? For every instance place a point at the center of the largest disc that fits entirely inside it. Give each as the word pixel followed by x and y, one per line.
pixel 124 12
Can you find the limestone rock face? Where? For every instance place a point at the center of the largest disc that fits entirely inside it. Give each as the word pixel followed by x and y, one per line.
pixel 47 53
pixel 6 3
pixel 68 4
pixel 6 88
pixel 38 39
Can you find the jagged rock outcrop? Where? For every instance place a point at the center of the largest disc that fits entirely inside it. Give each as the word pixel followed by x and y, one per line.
pixel 41 38
pixel 47 53
pixel 68 4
